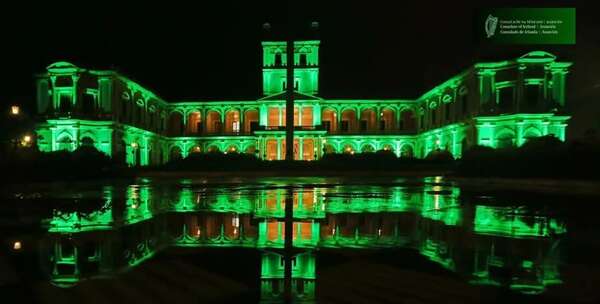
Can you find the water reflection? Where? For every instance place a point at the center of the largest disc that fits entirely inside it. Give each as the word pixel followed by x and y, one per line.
pixel 487 244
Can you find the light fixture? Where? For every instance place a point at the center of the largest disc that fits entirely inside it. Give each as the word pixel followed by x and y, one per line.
pixel 26 139
pixel 17 245
pixel 134 145
pixel 15 110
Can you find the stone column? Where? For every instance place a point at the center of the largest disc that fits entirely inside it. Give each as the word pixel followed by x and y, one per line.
pixel 519 88
pixel 487 89
pixel 377 118
pixel 203 113
pixel 74 104
pixel 454 144
pixel 280 110
pixel 105 94
pixel 558 86
pixel 316 115
pixel 241 111
pixel 545 128
pixel 184 121
pixel 263 115
pixel 519 135
pixel 278 148
pixel 55 105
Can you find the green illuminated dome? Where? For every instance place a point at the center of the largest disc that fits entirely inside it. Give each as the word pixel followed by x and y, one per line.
pixel 61 65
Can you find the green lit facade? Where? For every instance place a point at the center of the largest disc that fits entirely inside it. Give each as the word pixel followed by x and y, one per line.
pixel 497 104
pixel 472 240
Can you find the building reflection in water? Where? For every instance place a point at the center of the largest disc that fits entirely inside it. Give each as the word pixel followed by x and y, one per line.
pixel 494 245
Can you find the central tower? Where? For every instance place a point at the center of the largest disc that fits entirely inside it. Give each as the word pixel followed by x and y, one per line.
pixel 306 67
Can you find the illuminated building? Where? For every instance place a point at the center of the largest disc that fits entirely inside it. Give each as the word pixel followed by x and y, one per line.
pixel 473 240
pixel 499 104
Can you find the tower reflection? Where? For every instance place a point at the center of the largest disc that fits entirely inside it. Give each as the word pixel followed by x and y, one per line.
pixel 495 245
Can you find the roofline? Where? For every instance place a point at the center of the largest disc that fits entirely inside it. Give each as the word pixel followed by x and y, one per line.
pixel 281 42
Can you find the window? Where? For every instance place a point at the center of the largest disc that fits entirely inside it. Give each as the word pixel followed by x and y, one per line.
pixel 64 81
pixel 217 125
pixel 363 125
pixel 345 125
pixel 89 103
pixel 278 60
pixel 447 111
pixel 296 85
pixel 382 125
pixel 505 98
pixel 65 102
pixel 302 59
pixel 532 94
pixel 465 104
pixel 433 118
pixel 123 110
pixel 327 125
pixel 253 126
pixel 199 127
pixel 236 127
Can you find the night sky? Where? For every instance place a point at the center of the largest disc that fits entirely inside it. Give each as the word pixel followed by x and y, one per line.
pixel 212 52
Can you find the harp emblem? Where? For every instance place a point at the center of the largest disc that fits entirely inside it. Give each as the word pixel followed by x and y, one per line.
pixel 490 25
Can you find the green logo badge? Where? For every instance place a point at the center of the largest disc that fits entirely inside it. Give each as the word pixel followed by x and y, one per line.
pixel 490 25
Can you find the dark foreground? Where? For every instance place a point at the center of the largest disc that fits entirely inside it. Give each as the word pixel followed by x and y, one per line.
pixel 356 240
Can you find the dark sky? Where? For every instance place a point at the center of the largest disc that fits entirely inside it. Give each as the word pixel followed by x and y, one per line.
pixel 368 50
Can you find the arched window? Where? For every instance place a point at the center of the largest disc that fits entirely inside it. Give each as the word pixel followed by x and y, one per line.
pixel 367 149
pixel 348 149
pixel 348 121
pixel 232 121
pixel 175 154
pixel 64 143
pixel 329 121
pixel 505 139
pixel 175 124
pixel 194 123
pixel 407 120
pixel 388 120
pixel 87 142
pixel 406 151
pixel 368 120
